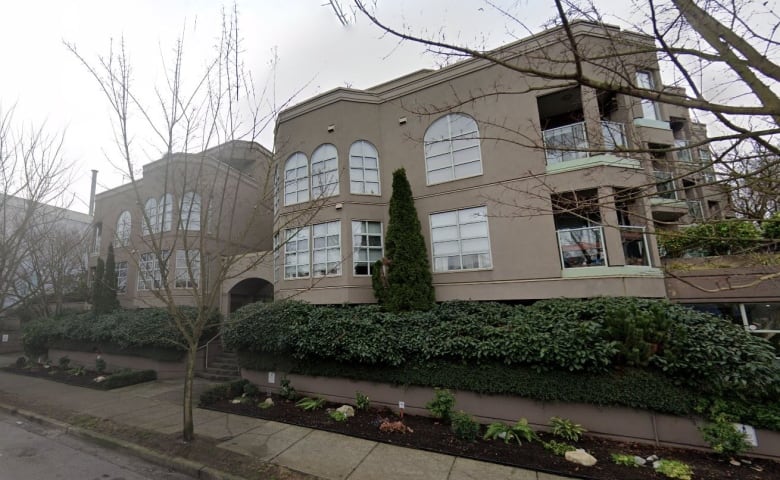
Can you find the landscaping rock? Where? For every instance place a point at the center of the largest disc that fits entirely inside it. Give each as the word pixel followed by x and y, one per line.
pixel 347 410
pixel 581 457
pixel 268 402
pixel 735 462
pixel 99 379
pixel 656 464
pixel 640 461
pixel 652 458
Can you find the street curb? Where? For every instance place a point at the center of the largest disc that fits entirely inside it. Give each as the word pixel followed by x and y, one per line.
pixel 178 464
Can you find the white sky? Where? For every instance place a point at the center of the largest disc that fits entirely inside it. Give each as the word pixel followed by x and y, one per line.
pixel 47 83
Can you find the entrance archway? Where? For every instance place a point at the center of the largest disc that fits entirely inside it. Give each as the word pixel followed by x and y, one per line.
pixel 250 290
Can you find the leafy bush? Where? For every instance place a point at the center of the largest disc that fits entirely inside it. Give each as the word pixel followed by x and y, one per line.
pixel 624 459
pixel 251 390
pixel 222 391
pixel 286 390
pixel 338 416
pixel 464 426
pixel 361 401
pixel 566 429
pixel 518 432
pixel 100 364
pixel 307 403
pixel 64 362
pixel 771 227
pixel 442 404
pixel 724 438
pixel 674 469
pixel 124 379
pixel 558 448
pixel 723 237
pixel 21 362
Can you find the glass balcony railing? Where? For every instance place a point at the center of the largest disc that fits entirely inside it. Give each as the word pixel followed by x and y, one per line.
pixel 664 185
pixel 570 142
pixel 582 247
pixel 614 135
pixel 635 245
pixel 694 210
pixel 684 154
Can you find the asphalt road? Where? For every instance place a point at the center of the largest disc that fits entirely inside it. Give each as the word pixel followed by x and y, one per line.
pixel 29 451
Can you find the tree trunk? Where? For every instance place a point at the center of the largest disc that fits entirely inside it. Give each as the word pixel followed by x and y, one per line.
pixel 188 427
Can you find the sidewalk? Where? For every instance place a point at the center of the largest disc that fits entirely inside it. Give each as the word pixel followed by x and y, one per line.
pixel 156 406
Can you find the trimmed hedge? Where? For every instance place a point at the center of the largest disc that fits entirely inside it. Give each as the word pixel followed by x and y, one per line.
pixel 592 336
pixel 123 379
pixel 222 391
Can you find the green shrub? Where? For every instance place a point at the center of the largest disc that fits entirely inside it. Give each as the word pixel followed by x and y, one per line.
pixel 442 404
pixel 558 448
pixel 624 459
pixel 566 429
pixel 286 390
pixel 117 380
pixel 361 401
pixel 464 426
pixel 338 416
pixel 724 237
pixel 518 432
pixel 100 364
pixel 307 403
pixel 64 362
pixel 222 391
pixel 771 227
pixel 674 469
pixel 724 438
pixel 21 362
pixel 251 390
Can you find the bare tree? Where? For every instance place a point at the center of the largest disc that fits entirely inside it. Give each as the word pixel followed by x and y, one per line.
pixel 33 175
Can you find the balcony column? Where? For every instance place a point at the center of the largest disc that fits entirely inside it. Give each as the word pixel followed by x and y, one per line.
pixel 592 116
pixel 615 255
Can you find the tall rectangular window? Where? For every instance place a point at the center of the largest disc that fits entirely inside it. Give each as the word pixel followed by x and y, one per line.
pixel 645 80
pixel 121 277
pixel 149 273
pixel 326 251
pixel 460 240
pixel 187 269
pixel 277 257
pixel 296 253
pixel 366 246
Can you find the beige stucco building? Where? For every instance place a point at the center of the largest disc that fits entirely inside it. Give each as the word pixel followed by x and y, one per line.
pixel 526 188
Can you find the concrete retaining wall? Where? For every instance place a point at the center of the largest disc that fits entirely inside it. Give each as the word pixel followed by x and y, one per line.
pixel 614 422
pixel 165 370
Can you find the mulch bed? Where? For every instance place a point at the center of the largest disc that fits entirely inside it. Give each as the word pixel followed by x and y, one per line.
pixel 429 434
pixel 58 375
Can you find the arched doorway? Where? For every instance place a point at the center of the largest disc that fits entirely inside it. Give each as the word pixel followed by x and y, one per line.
pixel 250 290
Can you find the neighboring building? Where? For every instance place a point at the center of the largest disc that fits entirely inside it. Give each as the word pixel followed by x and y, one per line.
pixel 177 222
pixel 524 190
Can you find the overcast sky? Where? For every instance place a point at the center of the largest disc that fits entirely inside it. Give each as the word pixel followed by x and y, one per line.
pixel 47 83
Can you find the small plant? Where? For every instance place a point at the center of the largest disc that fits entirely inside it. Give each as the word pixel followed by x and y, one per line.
pixel 517 432
pixel 464 426
pixel 251 390
pixel 566 429
pixel 724 438
pixel 77 372
pixel 266 404
pixel 558 448
pixel 441 405
pixel 64 362
pixel 674 469
pixel 624 459
pixel 21 362
pixel 286 390
pixel 307 403
pixel 338 416
pixel 361 401
pixel 100 364
pixel 394 427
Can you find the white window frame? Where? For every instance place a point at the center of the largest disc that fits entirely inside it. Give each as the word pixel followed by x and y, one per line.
pixel 121 278
pixel 187 261
pixel 325 171
pixel 299 237
pixel 165 213
pixel 359 232
pixel 277 257
pixel 326 242
pixel 123 229
pixel 189 212
pixel 644 79
pixel 150 213
pixel 296 179
pixel 450 142
pixel 437 230
pixel 149 271
pixel 360 153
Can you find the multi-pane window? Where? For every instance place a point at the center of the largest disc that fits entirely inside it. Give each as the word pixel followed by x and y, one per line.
pixel 296 179
pixel 366 246
pixel 165 212
pixel 324 171
pixel 123 229
pixel 121 277
pixel 187 269
pixel 363 168
pixel 276 189
pixel 645 80
pixel 460 240
pixel 296 253
pixel 452 149
pixel 149 274
pixel 150 223
pixel 326 249
pixel 277 257
pixel 189 215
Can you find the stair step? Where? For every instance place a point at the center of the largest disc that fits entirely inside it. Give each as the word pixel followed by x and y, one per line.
pixel 219 364
pixel 222 371
pixel 217 378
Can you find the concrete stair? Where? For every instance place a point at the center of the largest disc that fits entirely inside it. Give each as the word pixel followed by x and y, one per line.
pixel 224 368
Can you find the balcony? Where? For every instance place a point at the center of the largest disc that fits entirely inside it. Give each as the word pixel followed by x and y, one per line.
pixel 570 142
pixel 684 154
pixel 695 211
pixel 582 247
pixel 666 206
pixel 635 246
pixel 664 185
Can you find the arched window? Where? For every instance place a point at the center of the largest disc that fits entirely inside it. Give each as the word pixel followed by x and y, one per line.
pixel 296 179
pixel 123 229
pixel 363 168
pixel 165 212
pixel 324 171
pixel 452 149
pixel 189 214
pixel 150 223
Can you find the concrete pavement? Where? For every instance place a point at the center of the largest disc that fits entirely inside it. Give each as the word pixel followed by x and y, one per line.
pixel 156 406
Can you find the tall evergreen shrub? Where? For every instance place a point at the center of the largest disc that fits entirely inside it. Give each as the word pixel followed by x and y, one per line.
pixel 402 280
pixel 110 302
pixel 98 286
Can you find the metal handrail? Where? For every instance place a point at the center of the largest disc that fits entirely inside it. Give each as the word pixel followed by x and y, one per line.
pixel 206 346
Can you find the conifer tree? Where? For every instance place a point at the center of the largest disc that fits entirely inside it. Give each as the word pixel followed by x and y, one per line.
pixel 110 302
pixel 402 280
pixel 98 286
